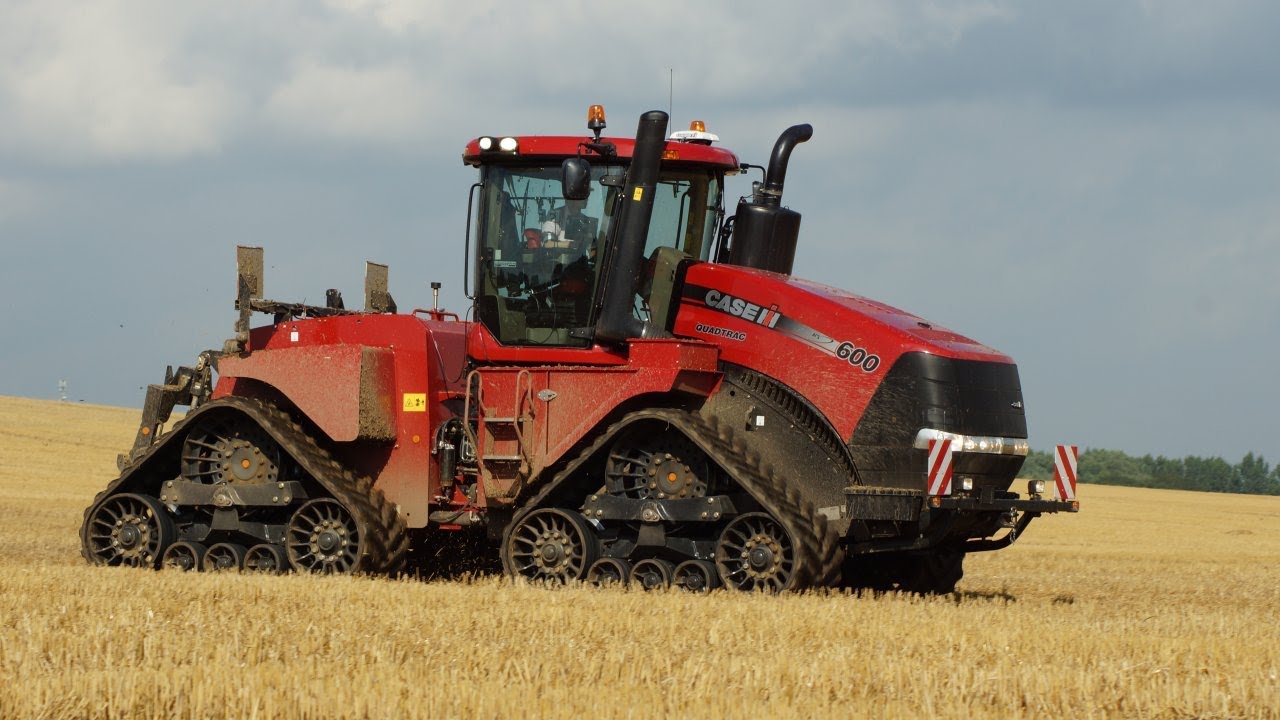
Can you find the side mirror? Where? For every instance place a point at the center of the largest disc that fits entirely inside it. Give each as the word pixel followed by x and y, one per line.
pixel 575 178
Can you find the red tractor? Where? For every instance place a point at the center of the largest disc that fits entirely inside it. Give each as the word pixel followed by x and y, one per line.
pixel 644 395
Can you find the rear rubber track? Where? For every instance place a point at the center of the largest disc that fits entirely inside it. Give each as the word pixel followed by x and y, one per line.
pixel 384 530
pixel 817 547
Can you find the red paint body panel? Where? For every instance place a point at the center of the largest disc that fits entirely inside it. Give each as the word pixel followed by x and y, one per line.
pixel 319 370
pixel 561 146
pixel 485 349
pixel 380 385
pixel 584 395
pixel 797 331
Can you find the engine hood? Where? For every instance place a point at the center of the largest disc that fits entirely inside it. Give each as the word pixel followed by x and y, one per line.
pixel 833 347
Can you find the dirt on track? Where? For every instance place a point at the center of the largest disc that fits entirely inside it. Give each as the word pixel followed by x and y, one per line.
pixel 1147 604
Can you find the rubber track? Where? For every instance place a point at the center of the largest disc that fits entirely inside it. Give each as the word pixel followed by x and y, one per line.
pixel 385 532
pixel 818 553
pixel 799 411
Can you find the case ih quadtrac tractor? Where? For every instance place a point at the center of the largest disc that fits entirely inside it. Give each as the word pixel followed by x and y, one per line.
pixel 642 394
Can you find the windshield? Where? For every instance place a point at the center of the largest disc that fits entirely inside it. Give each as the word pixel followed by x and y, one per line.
pixel 537 272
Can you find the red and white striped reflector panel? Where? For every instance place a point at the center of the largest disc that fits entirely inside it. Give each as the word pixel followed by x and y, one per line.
pixel 1065 459
pixel 940 467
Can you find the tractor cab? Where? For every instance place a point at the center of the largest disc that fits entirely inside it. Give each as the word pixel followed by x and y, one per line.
pixel 540 244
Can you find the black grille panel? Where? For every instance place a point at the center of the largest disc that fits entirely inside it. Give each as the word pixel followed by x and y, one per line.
pixel 968 397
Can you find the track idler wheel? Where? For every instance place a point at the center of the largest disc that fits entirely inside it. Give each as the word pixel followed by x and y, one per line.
pixel 609 572
pixel 128 529
pixel 266 558
pixel 697 576
pixel 184 556
pixel 756 553
pixel 652 574
pixel 551 545
pixel 223 557
pixel 323 537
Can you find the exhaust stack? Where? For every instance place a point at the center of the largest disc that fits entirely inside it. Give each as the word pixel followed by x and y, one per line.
pixel 765 233
pixel 625 259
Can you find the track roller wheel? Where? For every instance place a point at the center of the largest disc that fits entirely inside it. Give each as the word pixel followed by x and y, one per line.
pixel 652 574
pixel 266 558
pixel 609 572
pixel 697 576
pixel 550 544
pixel 756 553
pixel 184 556
pixel 223 556
pixel 128 529
pixel 323 538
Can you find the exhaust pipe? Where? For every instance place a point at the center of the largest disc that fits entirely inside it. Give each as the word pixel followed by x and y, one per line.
pixel 625 259
pixel 765 233
pixel 771 192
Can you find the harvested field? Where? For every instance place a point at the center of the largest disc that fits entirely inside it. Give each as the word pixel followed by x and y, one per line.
pixel 1148 604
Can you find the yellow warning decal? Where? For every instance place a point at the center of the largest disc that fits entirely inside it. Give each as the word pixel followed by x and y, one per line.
pixel 639 193
pixel 415 402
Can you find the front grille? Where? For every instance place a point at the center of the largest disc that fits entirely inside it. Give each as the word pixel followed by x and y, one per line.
pixel 967 397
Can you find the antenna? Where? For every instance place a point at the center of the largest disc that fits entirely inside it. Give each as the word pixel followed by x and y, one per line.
pixel 671 73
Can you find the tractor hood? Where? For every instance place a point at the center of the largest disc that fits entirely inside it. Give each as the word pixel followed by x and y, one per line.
pixel 830 346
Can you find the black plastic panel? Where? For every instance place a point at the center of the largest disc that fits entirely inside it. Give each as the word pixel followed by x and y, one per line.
pixel 961 396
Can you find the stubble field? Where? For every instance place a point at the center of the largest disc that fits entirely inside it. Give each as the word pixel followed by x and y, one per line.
pixel 1147 604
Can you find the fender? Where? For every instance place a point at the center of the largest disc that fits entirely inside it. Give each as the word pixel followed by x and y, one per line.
pixel 346 390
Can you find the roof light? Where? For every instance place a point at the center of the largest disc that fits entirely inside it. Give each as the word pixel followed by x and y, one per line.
pixel 697 133
pixel 492 145
pixel 595 119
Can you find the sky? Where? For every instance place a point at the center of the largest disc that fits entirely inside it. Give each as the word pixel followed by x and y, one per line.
pixel 1091 187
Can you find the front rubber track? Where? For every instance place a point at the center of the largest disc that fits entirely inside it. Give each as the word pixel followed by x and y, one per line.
pixel 385 531
pixel 817 546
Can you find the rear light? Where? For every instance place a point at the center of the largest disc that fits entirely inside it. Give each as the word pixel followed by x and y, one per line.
pixel 966 484
pixel 1035 487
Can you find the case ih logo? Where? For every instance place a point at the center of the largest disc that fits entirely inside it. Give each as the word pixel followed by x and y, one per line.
pixel 741 308
pixel 858 357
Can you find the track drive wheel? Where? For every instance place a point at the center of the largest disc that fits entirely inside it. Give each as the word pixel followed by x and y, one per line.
pixel 550 544
pixel 128 529
pixel 230 449
pixel 756 553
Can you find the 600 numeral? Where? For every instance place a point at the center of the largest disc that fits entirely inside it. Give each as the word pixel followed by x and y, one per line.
pixel 858 357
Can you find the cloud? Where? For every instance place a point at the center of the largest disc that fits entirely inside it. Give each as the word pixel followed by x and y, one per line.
pixel 106 80
pixel 19 199
pixel 380 104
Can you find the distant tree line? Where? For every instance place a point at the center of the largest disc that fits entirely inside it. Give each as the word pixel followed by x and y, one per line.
pixel 1252 475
